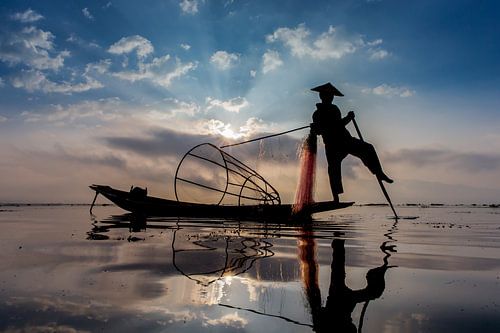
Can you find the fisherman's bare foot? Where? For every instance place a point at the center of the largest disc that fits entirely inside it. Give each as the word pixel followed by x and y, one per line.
pixel 336 198
pixel 386 179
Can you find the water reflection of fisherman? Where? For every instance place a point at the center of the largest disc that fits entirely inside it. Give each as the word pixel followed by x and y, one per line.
pixel 341 300
pixel 328 122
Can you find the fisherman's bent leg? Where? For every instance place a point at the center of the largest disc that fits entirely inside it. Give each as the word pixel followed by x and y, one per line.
pixel 366 152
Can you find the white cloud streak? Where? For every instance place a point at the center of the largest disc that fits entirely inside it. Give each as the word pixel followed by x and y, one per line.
pixel 27 17
pixel 230 105
pixel 229 320
pixel 100 67
pixel 219 128
pixel 141 45
pixel 270 61
pixel 224 60
pixel 378 54
pixel 155 71
pixel 34 80
pixel 189 6
pixel 389 91
pixel 185 46
pixel 87 14
pixel 332 44
pixel 329 45
pixel 103 109
pixel 32 47
pixel 158 70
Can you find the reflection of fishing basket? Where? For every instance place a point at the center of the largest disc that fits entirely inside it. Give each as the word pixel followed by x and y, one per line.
pixel 208 174
pixel 209 257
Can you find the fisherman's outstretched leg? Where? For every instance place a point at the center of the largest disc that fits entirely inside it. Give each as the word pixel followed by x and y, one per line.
pixel 366 152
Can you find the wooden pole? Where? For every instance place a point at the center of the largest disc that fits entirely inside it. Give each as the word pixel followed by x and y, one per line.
pixel 379 181
pixel 265 137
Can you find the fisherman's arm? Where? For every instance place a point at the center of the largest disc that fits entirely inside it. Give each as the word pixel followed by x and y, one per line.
pixel 315 127
pixel 347 119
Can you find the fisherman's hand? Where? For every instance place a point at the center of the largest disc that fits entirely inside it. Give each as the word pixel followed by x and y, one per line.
pixel 350 114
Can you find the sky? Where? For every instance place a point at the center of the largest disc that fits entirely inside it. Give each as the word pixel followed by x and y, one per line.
pixel 116 92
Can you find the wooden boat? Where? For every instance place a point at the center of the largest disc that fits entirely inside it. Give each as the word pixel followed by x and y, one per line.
pixel 141 203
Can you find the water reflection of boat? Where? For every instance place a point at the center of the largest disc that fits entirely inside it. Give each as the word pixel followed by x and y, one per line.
pixel 208 250
pixel 227 249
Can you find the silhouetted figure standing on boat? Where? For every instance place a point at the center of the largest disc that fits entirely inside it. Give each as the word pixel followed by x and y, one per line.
pixel 328 122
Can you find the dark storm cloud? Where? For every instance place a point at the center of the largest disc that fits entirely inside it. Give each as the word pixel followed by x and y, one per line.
pixel 165 142
pixel 470 162
pixel 158 144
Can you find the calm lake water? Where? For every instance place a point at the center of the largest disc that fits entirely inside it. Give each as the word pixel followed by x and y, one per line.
pixel 351 270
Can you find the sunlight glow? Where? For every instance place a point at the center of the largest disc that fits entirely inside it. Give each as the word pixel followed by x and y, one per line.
pixel 217 127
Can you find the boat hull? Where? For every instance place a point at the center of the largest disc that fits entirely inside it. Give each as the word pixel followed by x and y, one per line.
pixel 152 206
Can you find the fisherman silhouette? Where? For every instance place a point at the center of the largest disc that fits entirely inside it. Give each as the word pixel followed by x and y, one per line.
pixel 336 315
pixel 328 122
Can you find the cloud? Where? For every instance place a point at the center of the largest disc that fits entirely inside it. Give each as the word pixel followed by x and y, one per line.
pixel 141 45
pixel 432 158
pixel 96 112
pixel 331 44
pixel 145 70
pixel 389 91
pixel 172 108
pixel 87 13
pixel 157 143
pixel 189 6
pixel 168 142
pixel 47 328
pixel 378 54
pixel 2 83
pixel 230 319
pixel 34 80
pixel 231 105
pixel 253 73
pixel 32 47
pixel 27 16
pixel 101 67
pixel 270 61
pixel 106 109
pixel 73 38
pixel 224 60
pixel 328 45
pixel 156 71
pixel 218 128
pixel 180 70
pixel 185 46
pixel 3 119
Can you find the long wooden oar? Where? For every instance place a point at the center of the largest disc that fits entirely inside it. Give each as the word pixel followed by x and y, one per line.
pixel 379 181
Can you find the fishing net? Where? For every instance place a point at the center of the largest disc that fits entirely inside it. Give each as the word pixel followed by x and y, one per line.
pixel 305 187
pixel 206 174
